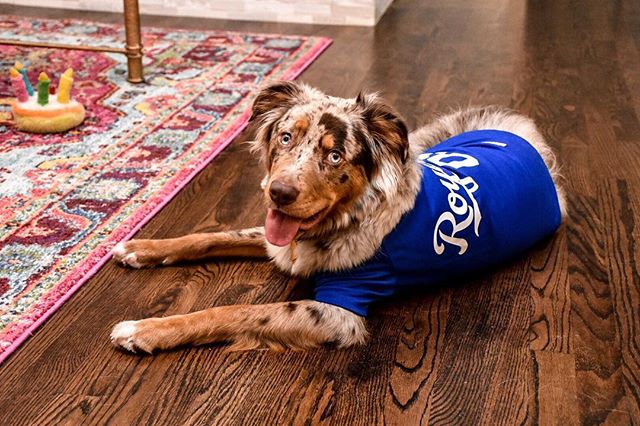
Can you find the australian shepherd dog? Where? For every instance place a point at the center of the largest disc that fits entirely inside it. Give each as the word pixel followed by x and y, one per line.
pixel 365 208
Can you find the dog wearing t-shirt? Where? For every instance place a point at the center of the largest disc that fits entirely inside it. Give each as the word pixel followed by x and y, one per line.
pixel 365 209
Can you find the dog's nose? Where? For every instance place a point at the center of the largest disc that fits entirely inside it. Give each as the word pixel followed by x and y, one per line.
pixel 282 194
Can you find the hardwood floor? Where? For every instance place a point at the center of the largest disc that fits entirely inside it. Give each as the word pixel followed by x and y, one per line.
pixel 552 338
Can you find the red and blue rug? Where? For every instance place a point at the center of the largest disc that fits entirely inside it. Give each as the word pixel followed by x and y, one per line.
pixel 67 199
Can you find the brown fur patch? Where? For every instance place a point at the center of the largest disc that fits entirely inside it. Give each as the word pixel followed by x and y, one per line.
pixel 335 127
pixel 314 314
pixel 328 142
pixel 364 158
pixel 302 124
pixel 353 183
pixel 290 307
pixel 264 321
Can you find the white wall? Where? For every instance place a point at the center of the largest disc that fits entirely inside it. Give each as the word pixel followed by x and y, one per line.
pixel 337 12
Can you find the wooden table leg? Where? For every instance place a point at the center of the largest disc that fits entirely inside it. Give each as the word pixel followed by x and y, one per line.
pixel 133 46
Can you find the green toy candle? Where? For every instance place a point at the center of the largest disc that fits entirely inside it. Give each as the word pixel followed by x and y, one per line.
pixel 43 89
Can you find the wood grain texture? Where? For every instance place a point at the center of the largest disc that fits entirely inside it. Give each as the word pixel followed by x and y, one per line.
pixel 550 295
pixel 417 358
pixel 621 243
pixel 556 388
pixel 550 338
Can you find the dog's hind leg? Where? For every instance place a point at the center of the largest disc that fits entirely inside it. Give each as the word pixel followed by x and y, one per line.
pixel 296 325
pixel 144 253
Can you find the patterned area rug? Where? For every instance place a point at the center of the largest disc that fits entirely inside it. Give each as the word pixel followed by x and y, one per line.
pixel 66 199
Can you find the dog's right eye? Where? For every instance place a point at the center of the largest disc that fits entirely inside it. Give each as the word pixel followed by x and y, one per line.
pixel 285 139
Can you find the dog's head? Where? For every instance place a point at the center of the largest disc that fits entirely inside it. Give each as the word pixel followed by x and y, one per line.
pixel 322 155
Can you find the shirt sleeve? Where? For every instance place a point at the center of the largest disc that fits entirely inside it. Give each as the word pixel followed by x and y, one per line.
pixel 356 288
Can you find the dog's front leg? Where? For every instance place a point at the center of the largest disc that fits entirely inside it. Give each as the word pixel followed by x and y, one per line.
pixel 142 253
pixel 297 325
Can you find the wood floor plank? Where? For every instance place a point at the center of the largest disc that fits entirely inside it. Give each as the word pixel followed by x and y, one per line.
pixel 556 388
pixel 594 341
pixel 621 244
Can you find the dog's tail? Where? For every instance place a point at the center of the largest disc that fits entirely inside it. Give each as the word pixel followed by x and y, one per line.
pixel 496 118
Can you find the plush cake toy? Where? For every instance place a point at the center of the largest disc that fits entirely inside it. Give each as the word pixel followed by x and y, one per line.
pixel 43 111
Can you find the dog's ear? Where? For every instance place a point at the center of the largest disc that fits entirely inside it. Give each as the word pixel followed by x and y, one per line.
pixel 386 126
pixel 270 105
pixel 282 94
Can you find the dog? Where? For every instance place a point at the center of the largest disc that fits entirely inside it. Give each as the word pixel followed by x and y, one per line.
pixel 366 208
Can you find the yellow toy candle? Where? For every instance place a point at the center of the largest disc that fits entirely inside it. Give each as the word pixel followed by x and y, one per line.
pixel 64 87
pixel 27 84
pixel 43 89
pixel 18 86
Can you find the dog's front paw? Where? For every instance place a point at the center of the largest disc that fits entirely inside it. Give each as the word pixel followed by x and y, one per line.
pixel 132 336
pixel 126 256
pixel 140 253
pixel 123 335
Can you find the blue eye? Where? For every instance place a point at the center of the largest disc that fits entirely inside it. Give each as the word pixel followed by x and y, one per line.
pixel 285 139
pixel 334 157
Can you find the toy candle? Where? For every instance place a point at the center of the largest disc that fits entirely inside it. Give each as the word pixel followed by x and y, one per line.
pixel 43 89
pixel 27 84
pixel 18 86
pixel 64 87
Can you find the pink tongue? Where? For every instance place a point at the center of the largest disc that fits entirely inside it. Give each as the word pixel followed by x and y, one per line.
pixel 280 229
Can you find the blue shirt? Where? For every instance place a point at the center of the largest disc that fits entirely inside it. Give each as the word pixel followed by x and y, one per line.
pixel 486 196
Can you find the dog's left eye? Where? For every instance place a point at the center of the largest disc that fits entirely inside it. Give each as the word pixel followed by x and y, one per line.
pixel 285 139
pixel 334 157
